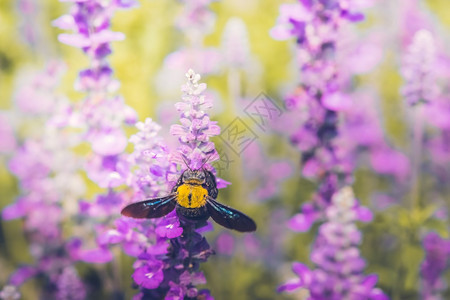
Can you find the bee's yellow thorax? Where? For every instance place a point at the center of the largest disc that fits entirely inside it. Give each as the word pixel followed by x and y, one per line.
pixel 191 196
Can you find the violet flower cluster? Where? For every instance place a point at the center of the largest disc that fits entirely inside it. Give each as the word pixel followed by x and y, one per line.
pixel 437 254
pixel 339 266
pixel 99 118
pixel 147 240
pixel 195 21
pixel 28 10
pixel 196 151
pixel 101 115
pixel 49 183
pixel 420 82
pixel 335 125
pixel 421 89
pixel 315 25
pixel 169 250
pixel 320 101
pixel 196 128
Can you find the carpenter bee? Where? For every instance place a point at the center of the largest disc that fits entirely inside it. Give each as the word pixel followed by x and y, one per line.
pixel 194 198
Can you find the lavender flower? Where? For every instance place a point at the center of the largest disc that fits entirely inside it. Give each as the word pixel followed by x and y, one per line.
pixel 30 15
pixel 437 252
pixel 9 292
pixel 196 128
pixel 168 250
pixel 151 167
pixel 339 266
pixel 100 115
pixel 319 98
pixel 361 131
pixel 322 103
pixel 195 21
pixel 69 286
pixel 187 251
pixel 148 240
pixel 236 44
pixel 49 183
pixel 420 85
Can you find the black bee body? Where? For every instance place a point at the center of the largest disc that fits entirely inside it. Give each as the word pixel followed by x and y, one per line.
pixel 210 186
pixel 194 198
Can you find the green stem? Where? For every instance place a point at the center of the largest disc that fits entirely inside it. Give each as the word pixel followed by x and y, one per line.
pixel 416 156
pixel 234 88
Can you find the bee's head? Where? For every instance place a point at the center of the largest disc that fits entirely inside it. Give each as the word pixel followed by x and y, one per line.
pixel 194 176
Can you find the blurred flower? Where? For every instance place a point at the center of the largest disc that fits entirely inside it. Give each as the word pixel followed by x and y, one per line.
pixel 339 266
pixel 267 172
pixel 420 85
pixel 388 161
pixel 437 253
pixel 35 91
pixel 235 43
pixel 47 173
pixel 69 285
pixel 9 292
pixel 225 244
pixel 147 240
pixel 319 99
pixel 197 19
pixel 292 21
pixel 97 120
pixel 335 125
pixel 149 162
pixel 31 17
pixel 91 21
pixel 100 115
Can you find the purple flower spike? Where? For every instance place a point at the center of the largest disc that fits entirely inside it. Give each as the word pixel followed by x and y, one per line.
pixel 48 174
pixel 321 100
pixel 420 85
pixel 177 273
pixel 196 128
pixel 169 250
pixel 339 266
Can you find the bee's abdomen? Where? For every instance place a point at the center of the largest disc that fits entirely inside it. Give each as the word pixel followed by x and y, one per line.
pixel 191 196
pixel 200 213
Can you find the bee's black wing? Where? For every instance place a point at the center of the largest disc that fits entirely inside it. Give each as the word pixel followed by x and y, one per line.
pixel 152 208
pixel 229 217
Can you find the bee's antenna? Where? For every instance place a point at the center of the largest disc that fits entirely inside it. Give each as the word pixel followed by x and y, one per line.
pixel 207 159
pixel 185 162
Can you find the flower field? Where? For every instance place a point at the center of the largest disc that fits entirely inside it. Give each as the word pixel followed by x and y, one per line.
pixel 206 149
